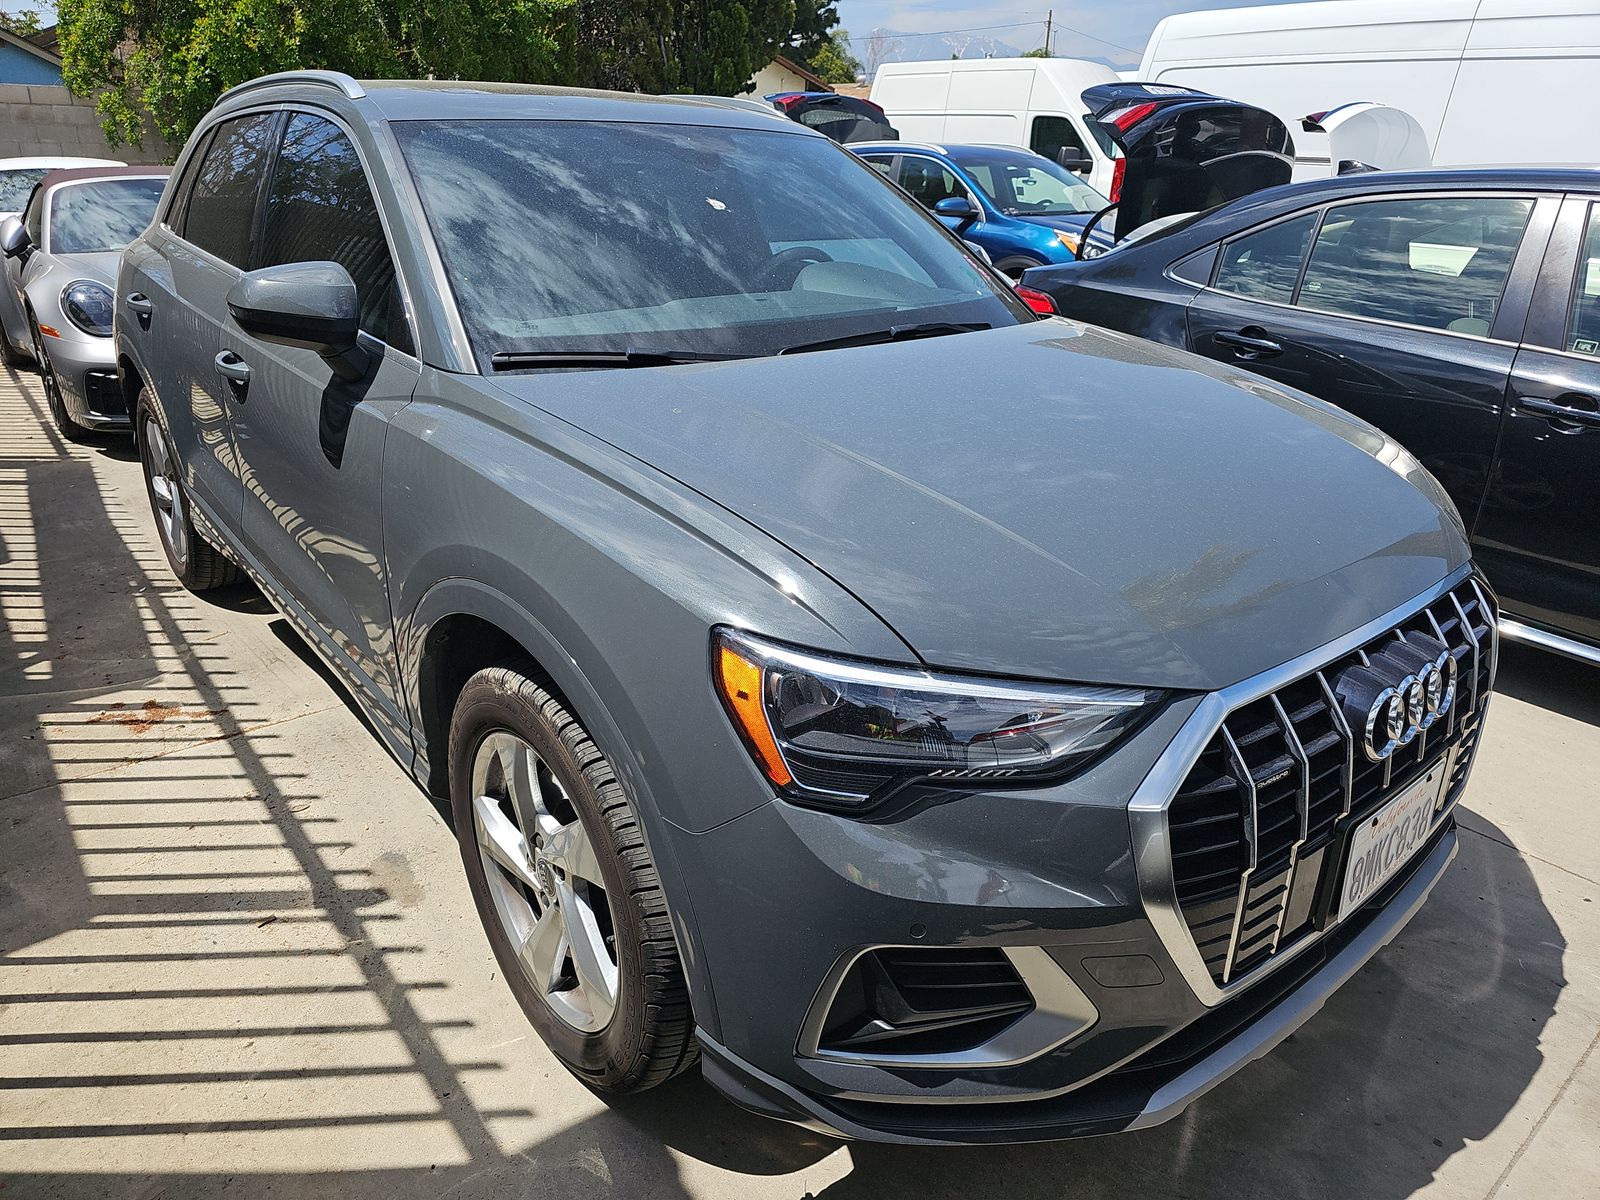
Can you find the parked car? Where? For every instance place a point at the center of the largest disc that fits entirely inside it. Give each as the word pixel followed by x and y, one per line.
pixel 61 265
pixel 17 179
pixel 821 656
pixel 1024 210
pixel 1032 102
pixel 1458 311
pixel 842 118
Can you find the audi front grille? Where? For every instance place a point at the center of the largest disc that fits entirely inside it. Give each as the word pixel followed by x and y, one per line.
pixel 1257 826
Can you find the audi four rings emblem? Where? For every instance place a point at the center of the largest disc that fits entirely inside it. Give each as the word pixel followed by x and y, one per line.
pixel 1399 692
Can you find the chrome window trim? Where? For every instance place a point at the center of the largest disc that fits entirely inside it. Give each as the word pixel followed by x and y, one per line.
pixel 1482 339
pixel 1061 1011
pixel 1147 811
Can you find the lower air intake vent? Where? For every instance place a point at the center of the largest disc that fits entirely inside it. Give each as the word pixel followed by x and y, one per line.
pixel 908 1001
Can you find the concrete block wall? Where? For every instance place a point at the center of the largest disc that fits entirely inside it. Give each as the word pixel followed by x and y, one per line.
pixel 40 120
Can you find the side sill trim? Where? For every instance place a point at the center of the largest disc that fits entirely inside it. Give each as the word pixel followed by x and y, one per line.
pixel 1545 640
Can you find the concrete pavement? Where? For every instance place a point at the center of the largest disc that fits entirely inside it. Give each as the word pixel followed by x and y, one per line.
pixel 238 958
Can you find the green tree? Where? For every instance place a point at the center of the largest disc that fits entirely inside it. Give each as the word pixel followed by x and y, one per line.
pixel 833 61
pixel 813 31
pixel 172 58
pixel 25 23
pixel 711 47
pixel 1038 52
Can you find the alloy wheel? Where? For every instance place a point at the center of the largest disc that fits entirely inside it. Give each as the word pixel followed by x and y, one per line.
pixel 161 468
pixel 47 374
pixel 545 879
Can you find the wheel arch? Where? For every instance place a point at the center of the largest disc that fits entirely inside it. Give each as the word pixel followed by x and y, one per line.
pixel 461 626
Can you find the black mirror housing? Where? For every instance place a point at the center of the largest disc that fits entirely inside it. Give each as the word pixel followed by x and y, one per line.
pixel 310 306
pixel 1074 159
pixel 14 238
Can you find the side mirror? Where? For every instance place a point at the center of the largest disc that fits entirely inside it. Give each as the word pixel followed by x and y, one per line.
pixel 311 306
pixel 14 237
pixel 958 209
pixel 1074 159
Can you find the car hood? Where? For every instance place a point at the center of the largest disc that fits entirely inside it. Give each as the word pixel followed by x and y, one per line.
pixel 1069 223
pixel 1047 500
pixel 100 266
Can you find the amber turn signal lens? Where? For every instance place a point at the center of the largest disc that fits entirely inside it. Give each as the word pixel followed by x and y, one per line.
pixel 739 680
pixel 50 331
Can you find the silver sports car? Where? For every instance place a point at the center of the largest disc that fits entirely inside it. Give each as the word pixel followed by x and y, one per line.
pixel 61 264
pixel 17 178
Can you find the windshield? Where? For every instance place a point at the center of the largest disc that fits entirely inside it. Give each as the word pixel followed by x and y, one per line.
pixel 15 187
pixel 104 215
pixel 1029 185
pixel 569 236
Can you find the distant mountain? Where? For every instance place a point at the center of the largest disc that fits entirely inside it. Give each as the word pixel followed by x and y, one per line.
pixel 893 45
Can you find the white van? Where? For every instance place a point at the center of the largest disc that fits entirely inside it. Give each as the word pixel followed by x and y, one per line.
pixel 1032 102
pixel 1463 68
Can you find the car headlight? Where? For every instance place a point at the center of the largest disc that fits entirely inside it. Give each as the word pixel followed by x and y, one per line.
pixel 841 734
pixel 89 306
pixel 1067 240
pixel 1092 251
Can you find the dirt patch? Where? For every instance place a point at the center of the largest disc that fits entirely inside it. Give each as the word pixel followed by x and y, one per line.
pixel 150 714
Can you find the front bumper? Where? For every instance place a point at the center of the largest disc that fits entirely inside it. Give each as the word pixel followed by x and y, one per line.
pixel 1150 1088
pixel 86 372
pixel 1073 887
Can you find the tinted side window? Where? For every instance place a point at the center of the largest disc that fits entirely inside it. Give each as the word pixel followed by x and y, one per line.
pixel 883 164
pixel 1264 265
pixel 1583 333
pixel 221 206
pixel 319 208
pixel 928 181
pixel 173 217
pixel 1050 134
pixel 1436 262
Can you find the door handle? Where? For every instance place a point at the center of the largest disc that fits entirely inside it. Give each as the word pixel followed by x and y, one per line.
pixel 140 306
pixel 1250 341
pixel 235 370
pixel 1589 418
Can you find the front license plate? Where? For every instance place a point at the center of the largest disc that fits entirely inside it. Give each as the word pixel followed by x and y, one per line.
pixel 1385 841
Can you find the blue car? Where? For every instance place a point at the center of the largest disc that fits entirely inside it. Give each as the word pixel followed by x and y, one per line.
pixel 1023 209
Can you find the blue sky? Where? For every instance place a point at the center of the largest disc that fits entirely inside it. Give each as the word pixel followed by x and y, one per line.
pixel 1122 24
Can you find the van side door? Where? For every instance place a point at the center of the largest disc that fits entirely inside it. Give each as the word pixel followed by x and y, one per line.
pixel 1539 535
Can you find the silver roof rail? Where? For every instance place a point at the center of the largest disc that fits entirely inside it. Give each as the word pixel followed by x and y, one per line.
pixel 333 79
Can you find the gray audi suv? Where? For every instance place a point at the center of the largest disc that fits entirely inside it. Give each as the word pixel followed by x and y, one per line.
pixel 942 724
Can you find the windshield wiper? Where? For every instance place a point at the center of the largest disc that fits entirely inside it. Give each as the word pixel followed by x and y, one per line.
pixel 895 333
pixel 517 360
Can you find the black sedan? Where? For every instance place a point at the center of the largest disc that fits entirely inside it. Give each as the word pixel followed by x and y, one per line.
pixel 1458 311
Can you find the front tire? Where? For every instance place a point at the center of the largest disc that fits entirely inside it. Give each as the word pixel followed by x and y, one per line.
pixel 565 886
pixel 65 425
pixel 198 564
pixel 9 354
pixel 1013 267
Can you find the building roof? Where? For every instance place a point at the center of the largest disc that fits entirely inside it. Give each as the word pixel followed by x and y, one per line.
pixel 45 50
pixel 816 81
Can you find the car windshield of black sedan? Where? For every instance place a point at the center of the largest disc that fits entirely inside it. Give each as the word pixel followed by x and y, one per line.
pixel 104 215
pixel 1026 185
pixel 568 237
